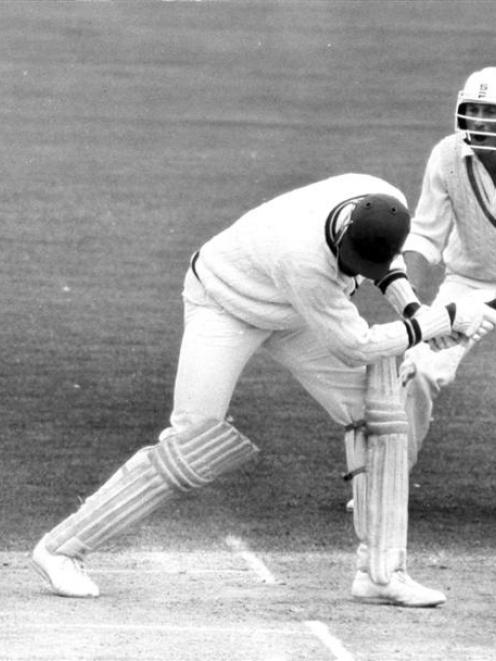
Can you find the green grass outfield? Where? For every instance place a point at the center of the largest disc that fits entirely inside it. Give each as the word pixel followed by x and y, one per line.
pixel 131 132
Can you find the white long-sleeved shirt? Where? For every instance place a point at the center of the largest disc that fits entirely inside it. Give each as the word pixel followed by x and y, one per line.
pixel 274 269
pixel 455 218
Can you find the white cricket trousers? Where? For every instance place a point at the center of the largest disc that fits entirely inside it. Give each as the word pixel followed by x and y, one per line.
pixel 437 369
pixel 216 347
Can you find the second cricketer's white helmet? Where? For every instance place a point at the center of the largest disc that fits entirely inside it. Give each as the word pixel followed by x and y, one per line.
pixel 480 88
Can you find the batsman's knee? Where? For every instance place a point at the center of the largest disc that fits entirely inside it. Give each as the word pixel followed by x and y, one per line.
pixel 386 417
pixel 198 455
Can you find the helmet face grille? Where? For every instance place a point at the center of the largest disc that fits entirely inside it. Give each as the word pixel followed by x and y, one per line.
pixel 480 89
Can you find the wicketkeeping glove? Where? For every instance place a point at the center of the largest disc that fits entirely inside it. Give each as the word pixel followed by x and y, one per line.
pixel 446 341
pixel 473 319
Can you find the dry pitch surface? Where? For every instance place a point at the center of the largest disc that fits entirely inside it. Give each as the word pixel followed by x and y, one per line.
pixel 229 603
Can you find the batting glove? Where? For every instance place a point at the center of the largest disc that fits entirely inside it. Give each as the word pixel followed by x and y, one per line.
pixel 472 320
pixel 440 342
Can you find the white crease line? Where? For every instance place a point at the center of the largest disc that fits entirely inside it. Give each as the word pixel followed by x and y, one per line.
pixel 19 622
pixel 240 548
pixel 321 631
pixel 102 570
pixel 236 630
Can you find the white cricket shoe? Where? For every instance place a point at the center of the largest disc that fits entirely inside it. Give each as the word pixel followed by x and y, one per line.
pixel 400 591
pixel 65 575
pixel 350 505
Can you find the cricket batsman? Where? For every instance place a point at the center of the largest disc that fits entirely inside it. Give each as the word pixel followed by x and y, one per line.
pixel 281 279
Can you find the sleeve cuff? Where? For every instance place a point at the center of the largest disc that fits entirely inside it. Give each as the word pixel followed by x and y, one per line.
pixel 399 293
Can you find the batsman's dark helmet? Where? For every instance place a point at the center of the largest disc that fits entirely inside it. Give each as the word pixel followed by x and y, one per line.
pixel 377 229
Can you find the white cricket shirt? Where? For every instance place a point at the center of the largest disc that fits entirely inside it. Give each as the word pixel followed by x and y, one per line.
pixel 455 218
pixel 273 268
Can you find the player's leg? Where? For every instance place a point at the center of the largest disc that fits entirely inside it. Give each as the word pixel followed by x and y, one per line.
pixel 214 351
pixel 424 373
pixel 379 476
pixel 382 498
pixel 341 391
pixel 197 447
pixel 338 388
pixel 178 463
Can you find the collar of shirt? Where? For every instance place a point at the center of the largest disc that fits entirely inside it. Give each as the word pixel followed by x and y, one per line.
pixel 482 183
pixel 333 229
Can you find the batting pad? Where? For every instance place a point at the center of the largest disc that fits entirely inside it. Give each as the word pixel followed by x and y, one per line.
pixel 356 458
pixel 387 472
pixel 178 463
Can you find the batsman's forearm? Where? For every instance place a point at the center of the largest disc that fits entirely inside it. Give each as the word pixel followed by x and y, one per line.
pixel 399 293
pixel 393 338
pixel 434 322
